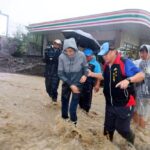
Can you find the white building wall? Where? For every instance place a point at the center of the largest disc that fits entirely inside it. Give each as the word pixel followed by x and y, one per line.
pixel 104 35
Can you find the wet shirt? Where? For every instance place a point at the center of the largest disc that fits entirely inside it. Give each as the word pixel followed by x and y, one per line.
pixel 97 68
pixel 71 69
pixel 145 85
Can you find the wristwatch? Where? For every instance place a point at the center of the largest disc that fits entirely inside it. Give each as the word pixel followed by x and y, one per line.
pixel 128 80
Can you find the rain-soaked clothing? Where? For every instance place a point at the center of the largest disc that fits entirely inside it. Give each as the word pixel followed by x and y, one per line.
pixel 87 90
pixel 70 71
pixel 65 98
pixel 51 71
pixel 143 88
pixel 119 102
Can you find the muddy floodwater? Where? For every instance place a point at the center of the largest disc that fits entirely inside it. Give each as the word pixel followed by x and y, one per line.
pixel 29 121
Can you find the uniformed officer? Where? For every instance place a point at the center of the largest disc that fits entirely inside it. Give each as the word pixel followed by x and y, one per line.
pixel 51 56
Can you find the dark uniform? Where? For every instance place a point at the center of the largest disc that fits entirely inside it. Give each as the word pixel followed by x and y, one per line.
pixel 51 73
pixel 87 90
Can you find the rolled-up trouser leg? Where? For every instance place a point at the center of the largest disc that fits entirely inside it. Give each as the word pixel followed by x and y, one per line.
pixel 73 107
pixel 65 96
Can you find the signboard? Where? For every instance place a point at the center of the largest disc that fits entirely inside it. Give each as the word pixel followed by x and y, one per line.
pixel 3 24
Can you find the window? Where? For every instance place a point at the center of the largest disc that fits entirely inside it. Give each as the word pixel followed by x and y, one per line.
pixel 129 50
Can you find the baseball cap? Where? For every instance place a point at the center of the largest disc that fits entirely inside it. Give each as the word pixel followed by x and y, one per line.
pixel 88 52
pixel 105 48
pixel 57 41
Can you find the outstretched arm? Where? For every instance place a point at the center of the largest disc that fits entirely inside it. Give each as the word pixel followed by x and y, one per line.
pixel 133 74
pixel 134 79
pixel 95 75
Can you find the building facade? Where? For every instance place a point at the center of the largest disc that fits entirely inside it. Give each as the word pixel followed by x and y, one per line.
pixel 128 29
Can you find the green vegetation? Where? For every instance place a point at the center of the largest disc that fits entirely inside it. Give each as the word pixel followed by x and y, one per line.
pixel 20 44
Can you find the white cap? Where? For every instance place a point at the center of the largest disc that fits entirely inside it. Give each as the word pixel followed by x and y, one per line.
pixel 58 41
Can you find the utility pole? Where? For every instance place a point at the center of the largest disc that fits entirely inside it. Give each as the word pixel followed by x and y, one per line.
pixel 3 14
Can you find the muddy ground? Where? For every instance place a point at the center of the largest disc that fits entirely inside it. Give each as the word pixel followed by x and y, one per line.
pixel 29 121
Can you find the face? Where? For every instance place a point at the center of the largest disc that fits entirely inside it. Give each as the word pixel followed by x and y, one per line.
pixel 143 54
pixel 109 57
pixel 70 52
pixel 88 58
pixel 57 46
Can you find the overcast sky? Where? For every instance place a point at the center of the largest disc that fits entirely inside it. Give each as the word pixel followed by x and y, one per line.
pixel 33 11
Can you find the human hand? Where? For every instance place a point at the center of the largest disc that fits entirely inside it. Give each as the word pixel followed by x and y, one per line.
pixel 90 73
pixel 75 89
pixel 123 84
pixel 96 88
pixel 83 79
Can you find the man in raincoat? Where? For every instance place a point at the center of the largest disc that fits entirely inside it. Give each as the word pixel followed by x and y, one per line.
pixel 72 70
pixel 143 88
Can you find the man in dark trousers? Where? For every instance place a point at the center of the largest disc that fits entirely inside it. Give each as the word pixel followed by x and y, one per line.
pixel 51 56
pixel 72 70
pixel 92 82
pixel 119 76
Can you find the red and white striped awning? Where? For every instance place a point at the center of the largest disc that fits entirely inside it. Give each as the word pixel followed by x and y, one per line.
pixel 128 16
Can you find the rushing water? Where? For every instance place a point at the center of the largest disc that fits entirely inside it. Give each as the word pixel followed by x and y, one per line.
pixel 28 121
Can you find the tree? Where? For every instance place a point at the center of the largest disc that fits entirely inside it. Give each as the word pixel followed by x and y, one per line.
pixel 29 42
